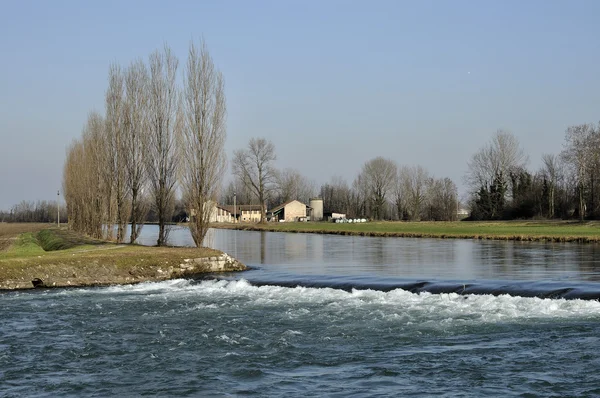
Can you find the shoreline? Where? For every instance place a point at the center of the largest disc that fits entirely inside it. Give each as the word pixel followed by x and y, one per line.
pixel 436 232
pixel 7 286
pixel 189 268
pixel 85 262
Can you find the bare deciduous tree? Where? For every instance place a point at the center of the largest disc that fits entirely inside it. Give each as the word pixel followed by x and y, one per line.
pixel 83 179
pixel 73 185
pixel 161 159
pixel 241 190
pixel 359 197
pixel 93 138
pixel 116 140
pixel 135 126
pixel 293 185
pixel 41 211
pixel 378 176
pixel 401 192
pixel 441 199
pixel 551 171
pixel 415 181
pixel 449 200
pixel 203 138
pixel 576 154
pixel 254 166
pixel 502 155
pixel 336 196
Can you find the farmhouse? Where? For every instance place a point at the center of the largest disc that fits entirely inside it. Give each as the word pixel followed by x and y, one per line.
pixel 247 213
pixel 221 214
pixel 292 210
pixel 218 213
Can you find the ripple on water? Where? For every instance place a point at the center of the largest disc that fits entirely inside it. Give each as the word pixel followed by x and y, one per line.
pixel 215 337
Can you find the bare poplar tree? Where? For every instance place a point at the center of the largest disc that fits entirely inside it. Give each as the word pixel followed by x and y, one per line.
pixel 254 166
pixel 161 159
pixel 92 139
pixel 202 138
pixel 116 139
pixel 72 185
pixel 378 175
pixel 105 155
pixel 82 179
pixel 135 125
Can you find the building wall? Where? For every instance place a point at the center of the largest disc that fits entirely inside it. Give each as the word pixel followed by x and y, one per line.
pixel 250 215
pixel 294 210
pixel 317 209
pixel 224 216
pixel 220 215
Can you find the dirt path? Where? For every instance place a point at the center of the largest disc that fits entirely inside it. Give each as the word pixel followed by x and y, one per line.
pixel 110 247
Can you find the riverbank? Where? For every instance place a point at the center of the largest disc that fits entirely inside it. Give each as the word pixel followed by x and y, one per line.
pixel 61 258
pixel 549 231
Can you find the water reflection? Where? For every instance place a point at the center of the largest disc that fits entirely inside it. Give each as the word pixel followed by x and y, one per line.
pixel 305 254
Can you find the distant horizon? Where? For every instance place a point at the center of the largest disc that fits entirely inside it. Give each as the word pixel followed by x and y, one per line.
pixel 332 85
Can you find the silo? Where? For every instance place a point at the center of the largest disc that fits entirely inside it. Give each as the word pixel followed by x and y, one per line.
pixel 317 209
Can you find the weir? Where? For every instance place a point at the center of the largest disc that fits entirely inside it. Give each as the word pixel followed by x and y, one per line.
pixel 465 267
pixel 582 291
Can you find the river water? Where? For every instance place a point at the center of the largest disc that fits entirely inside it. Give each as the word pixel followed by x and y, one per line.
pixel 321 315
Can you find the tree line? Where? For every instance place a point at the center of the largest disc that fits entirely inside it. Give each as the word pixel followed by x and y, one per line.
pixel 382 190
pixel 41 211
pixel 500 187
pixel 566 186
pixel 155 136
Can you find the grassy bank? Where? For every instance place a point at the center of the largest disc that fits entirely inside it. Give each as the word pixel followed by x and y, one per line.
pixel 62 258
pixel 10 232
pixel 555 231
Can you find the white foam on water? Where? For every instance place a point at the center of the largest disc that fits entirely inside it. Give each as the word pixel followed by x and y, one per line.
pixel 397 304
pixel 143 288
pixel 150 287
pixel 227 339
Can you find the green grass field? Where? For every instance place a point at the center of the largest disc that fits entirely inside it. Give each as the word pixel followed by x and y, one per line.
pixel 560 231
pixel 45 241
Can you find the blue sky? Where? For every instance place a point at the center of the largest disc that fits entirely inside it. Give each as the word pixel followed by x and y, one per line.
pixel 331 83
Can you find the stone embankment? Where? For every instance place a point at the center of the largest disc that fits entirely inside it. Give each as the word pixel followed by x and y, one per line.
pixel 222 263
pixel 106 273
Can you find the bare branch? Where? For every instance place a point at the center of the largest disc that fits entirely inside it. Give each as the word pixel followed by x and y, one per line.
pixel 202 138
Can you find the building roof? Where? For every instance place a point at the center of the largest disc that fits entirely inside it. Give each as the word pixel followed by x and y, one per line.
pixel 224 207
pixel 282 206
pixel 239 208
